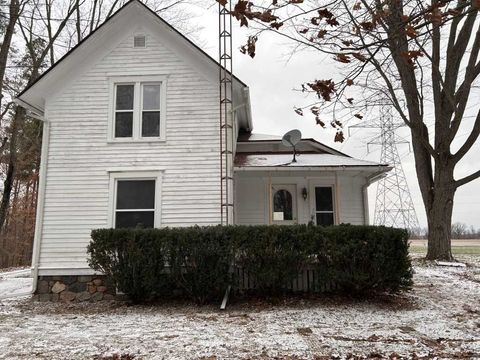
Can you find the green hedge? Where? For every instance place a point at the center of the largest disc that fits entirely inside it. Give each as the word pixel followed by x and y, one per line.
pixel 199 262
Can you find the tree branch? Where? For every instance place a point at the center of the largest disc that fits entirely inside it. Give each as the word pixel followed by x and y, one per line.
pixel 467 179
pixel 463 93
pixel 472 138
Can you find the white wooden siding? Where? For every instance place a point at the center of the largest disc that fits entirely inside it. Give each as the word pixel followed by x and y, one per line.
pixel 250 201
pixel 350 202
pixel 77 184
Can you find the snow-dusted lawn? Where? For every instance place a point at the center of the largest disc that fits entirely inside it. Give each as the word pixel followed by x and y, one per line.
pixel 15 281
pixel 440 317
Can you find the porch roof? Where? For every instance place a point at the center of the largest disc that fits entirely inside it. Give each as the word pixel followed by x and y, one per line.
pixel 246 161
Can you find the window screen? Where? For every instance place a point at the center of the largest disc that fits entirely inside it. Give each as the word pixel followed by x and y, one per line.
pixel 135 204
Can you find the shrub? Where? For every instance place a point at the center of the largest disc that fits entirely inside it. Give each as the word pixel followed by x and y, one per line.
pixel 363 258
pixel 199 261
pixel 134 259
pixel 273 255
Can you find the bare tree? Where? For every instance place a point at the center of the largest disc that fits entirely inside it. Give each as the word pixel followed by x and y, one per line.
pixel 43 31
pixel 8 29
pixel 420 56
pixel 459 230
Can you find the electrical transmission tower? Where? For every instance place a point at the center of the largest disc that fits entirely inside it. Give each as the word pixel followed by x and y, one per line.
pixel 393 205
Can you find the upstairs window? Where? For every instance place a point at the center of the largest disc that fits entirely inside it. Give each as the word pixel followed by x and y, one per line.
pixel 138 111
pixel 151 110
pixel 124 110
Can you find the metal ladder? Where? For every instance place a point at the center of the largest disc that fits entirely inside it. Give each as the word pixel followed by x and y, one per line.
pixel 226 112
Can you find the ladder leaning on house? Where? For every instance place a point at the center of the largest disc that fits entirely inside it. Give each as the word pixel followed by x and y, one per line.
pixel 226 120
pixel 226 113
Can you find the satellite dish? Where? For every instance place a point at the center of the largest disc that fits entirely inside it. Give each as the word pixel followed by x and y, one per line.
pixel 291 139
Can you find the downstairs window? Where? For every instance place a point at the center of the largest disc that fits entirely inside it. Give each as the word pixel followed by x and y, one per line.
pixel 135 200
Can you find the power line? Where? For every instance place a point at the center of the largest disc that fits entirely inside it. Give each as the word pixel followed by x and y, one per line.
pixel 393 203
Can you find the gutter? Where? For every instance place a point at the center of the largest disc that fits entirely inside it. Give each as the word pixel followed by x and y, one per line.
pixel 382 169
pixel 40 204
pixel 32 111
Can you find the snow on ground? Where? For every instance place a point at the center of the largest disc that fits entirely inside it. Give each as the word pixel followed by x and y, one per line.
pixel 439 318
pixel 16 281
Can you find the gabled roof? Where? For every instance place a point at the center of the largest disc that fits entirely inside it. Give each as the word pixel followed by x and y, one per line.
pixel 250 137
pixel 32 97
pixel 266 152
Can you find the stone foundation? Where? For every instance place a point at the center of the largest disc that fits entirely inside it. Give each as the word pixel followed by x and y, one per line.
pixel 74 288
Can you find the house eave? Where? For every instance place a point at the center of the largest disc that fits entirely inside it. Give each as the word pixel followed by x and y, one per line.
pixel 32 111
pixel 376 169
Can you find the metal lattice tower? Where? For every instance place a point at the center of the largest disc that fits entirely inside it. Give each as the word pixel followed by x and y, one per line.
pixel 226 108
pixel 393 205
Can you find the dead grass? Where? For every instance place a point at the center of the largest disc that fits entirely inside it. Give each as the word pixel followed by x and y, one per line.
pixel 456 250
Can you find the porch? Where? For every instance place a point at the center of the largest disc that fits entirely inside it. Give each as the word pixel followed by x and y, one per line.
pixel 319 188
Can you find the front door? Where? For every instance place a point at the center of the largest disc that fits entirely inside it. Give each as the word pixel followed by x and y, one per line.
pixel 323 213
pixel 284 204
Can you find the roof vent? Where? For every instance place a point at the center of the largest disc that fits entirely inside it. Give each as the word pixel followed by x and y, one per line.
pixel 139 41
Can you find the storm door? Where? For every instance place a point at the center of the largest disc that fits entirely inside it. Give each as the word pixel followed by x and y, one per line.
pixel 324 213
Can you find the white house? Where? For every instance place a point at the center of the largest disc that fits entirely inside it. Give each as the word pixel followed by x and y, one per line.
pixel 131 136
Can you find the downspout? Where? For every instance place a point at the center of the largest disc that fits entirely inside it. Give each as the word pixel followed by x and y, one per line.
pixel 336 200
pixel 270 200
pixel 246 91
pixel 366 213
pixel 40 204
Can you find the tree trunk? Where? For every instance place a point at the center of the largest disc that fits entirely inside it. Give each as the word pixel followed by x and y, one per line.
pixel 439 213
pixel 439 231
pixel 12 162
pixel 7 41
pixel 7 190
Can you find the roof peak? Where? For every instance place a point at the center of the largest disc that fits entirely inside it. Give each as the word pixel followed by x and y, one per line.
pixel 100 31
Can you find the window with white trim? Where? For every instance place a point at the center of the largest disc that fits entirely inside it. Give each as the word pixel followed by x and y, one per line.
pixel 138 109
pixel 135 199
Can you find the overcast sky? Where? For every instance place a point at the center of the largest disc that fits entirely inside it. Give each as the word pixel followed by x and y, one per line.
pixel 273 74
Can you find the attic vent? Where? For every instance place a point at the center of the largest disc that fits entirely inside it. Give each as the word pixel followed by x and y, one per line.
pixel 139 41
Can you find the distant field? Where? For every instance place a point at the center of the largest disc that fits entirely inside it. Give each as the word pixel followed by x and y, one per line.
pixel 456 250
pixel 459 247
